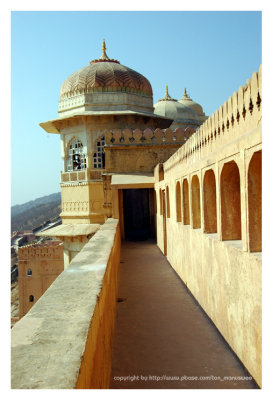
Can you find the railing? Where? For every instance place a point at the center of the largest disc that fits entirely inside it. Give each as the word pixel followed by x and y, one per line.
pixel 65 340
pixel 81 176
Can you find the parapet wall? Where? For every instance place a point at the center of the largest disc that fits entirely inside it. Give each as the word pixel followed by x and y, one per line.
pixel 141 151
pixel 117 137
pixel 65 340
pixel 40 251
pixel 236 116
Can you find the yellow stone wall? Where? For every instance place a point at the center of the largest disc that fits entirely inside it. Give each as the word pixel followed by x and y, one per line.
pixel 95 369
pixel 223 275
pixel 141 150
pixel 82 203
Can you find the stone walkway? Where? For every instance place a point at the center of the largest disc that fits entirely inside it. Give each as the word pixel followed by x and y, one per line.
pixel 161 332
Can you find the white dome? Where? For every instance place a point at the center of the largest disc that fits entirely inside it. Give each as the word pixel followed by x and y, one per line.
pixel 184 112
pixel 188 102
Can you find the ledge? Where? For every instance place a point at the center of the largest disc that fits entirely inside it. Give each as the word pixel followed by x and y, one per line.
pixel 71 230
pixel 49 342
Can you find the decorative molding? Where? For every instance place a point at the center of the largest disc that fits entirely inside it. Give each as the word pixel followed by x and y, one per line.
pixel 75 206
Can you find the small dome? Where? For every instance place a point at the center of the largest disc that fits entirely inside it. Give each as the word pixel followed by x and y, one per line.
pixel 188 102
pixel 181 112
pixel 106 75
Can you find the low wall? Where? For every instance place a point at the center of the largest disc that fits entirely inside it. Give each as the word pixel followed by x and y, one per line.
pixel 65 341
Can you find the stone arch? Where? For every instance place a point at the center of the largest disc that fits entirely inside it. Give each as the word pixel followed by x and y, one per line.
pixel 209 198
pixel 196 213
pixel 161 172
pixel 255 202
pixel 186 209
pixel 178 202
pixel 167 202
pixel 230 202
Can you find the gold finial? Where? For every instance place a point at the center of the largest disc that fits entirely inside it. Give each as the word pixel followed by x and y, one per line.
pixel 104 57
pixel 166 91
pixel 104 54
pixel 104 47
pixel 185 93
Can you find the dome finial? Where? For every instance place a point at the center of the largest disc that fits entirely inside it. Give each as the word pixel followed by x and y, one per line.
pixel 104 47
pixel 186 96
pixel 104 54
pixel 167 95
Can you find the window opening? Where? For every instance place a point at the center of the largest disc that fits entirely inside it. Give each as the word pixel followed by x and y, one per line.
pixel 99 154
pixel 76 158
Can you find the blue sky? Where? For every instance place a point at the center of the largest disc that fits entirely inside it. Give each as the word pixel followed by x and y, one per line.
pixel 209 53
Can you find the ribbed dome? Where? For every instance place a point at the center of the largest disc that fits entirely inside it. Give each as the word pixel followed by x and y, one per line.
pixel 105 75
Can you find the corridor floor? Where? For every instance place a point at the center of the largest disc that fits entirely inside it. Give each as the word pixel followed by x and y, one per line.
pixel 163 339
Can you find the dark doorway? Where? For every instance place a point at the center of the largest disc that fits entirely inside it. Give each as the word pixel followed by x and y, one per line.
pixel 136 214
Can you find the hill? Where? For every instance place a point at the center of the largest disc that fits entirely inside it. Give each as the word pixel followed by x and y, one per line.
pixel 36 212
pixel 18 209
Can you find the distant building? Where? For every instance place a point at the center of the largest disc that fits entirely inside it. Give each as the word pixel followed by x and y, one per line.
pixel 38 267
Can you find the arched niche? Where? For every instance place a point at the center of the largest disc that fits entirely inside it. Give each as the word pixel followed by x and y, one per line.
pixel 255 202
pixel 209 199
pixel 161 172
pixel 230 202
pixel 196 213
pixel 186 209
pixel 167 202
pixel 178 202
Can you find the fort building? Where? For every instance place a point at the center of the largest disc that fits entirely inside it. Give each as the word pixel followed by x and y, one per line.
pixel 38 267
pixel 133 171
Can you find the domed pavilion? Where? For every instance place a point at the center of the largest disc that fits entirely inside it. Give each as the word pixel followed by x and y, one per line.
pixel 111 141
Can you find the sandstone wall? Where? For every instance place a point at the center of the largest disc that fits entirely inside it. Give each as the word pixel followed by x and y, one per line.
pixel 209 219
pixel 141 150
